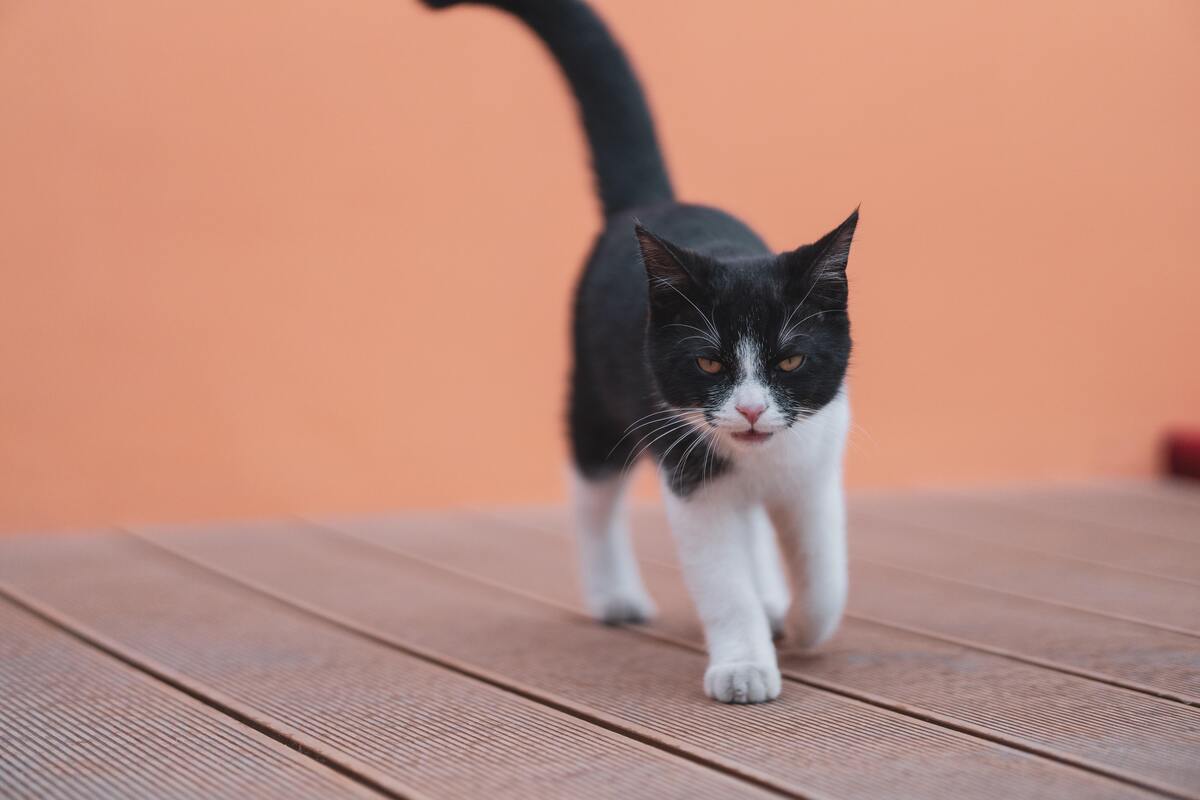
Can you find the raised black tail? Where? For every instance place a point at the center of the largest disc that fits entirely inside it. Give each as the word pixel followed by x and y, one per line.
pixel 625 155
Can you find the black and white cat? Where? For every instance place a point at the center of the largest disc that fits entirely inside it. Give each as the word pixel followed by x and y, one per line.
pixel 697 344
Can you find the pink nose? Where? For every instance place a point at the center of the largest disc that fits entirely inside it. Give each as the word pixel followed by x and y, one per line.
pixel 751 412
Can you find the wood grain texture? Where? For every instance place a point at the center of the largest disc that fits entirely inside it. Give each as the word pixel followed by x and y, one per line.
pixel 972 516
pixel 1154 660
pixel 76 723
pixel 1093 724
pixel 1159 510
pixel 998 643
pixel 811 742
pixel 411 726
pixel 1115 592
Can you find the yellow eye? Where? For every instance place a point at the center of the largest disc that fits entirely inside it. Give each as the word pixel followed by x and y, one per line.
pixel 710 366
pixel 791 363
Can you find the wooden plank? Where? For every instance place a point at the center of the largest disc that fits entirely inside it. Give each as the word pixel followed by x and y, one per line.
pixel 961 513
pixel 814 742
pixel 1170 604
pixel 1130 654
pixel 1089 723
pixel 1134 655
pixel 412 726
pixel 1168 512
pixel 75 722
pixel 1173 490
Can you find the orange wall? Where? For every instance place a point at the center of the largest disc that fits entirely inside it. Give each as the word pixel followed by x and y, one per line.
pixel 265 257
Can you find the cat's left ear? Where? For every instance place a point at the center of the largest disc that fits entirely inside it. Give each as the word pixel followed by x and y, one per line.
pixel 671 270
pixel 817 272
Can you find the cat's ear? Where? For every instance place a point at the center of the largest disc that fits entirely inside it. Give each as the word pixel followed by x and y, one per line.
pixel 817 272
pixel 666 266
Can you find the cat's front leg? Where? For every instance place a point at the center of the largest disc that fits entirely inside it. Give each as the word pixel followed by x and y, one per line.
pixel 714 550
pixel 812 529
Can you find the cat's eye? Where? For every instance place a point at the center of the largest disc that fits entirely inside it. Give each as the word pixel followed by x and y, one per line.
pixel 709 365
pixel 791 363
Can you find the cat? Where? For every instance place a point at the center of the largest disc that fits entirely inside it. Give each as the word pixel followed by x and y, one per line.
pixel 695 343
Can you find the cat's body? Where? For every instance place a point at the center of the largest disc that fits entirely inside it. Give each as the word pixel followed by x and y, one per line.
pixel 695 343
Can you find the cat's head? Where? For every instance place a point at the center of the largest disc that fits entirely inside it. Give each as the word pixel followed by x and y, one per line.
pixel 749 346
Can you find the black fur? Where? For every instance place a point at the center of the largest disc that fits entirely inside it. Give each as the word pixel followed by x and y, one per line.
pixel 662 273
pixel 625 154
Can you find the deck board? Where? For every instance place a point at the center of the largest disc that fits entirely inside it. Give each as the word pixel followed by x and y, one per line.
pixel 1134 655
pixel 1166 511
pixel 77 719
pixel 1106 727
pixel 973 517
pixel 811 742
pixel 1029 642
pixel 410 726
pixel 1174 605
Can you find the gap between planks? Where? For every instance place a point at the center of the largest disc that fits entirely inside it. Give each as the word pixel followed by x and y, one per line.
pixel 60 737
pixel 941 528
pixel 382 637
pixel 359 774
pixel 1144 495
pixel 560 704
pixel 1162 626
pixel 1161 694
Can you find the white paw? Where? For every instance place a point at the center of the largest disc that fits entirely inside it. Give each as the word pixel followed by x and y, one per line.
pixel 623 608
pixel 743 682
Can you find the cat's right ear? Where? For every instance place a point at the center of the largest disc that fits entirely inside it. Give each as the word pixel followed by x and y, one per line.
pixel 664 263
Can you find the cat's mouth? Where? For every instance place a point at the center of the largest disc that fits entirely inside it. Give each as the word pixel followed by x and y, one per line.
pixel 751 436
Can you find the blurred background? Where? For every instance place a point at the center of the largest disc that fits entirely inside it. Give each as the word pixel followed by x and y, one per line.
pixel 313 257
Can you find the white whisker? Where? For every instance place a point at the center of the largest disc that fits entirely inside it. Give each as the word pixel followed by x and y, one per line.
pixel 786 335
pixel 670 428
pixel 711 327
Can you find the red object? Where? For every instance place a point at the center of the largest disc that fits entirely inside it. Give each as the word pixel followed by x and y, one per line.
pixel 1183 454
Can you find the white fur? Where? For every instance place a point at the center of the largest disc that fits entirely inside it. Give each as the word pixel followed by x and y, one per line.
pixel 750 392
pixel 770 578
pixel 733 573
pixel 612 584
pixel 730 556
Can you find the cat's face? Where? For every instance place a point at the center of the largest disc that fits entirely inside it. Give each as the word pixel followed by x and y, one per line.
pixel 749 347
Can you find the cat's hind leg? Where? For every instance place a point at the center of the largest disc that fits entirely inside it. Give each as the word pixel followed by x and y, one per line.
pixel 770 577
pixel 612 584
pixel 815 533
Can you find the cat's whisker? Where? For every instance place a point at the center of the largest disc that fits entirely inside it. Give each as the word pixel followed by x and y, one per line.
pixel 711 327
pixel 784 327
pixel 709 461
pixel 658 417
pixel 683 423
pixel 675 473
pixel 708 337
pixel 703 438
pixel 675 443
pixel 648 418
pixel 788 333
pixel 639 448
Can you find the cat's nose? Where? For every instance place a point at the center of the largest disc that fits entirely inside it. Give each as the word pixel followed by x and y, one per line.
pixel 751 411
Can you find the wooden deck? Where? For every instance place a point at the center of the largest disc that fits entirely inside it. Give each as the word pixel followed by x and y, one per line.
pixel 1033 643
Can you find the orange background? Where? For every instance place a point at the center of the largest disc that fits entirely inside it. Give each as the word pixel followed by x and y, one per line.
pixel 300 256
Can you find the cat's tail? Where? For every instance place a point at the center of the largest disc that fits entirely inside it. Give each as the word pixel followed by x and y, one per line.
pixel 629 167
